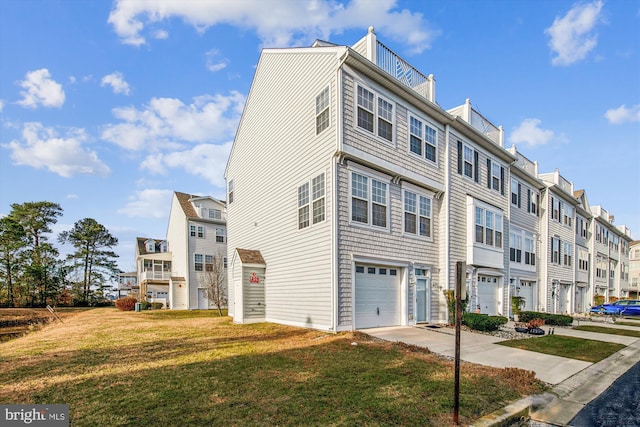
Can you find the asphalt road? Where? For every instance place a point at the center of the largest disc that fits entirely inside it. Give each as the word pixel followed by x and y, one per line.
pixel 618 406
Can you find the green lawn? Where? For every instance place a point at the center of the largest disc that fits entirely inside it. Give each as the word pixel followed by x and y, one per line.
pixel 571 347
pixel 636 324
pixel 605 330
pixel 163 368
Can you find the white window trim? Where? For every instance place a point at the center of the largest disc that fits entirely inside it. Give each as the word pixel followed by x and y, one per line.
pixel 327 108
pixel 378 177
pixel 309 182
pixel 496 211
pixel 418 193
pixel 425 122
pixel 376 95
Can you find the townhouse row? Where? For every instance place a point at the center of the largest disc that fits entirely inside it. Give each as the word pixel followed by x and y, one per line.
pixel 351 195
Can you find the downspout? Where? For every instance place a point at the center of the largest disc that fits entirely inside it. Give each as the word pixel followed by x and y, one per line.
pixel 447 205
pixel 186 271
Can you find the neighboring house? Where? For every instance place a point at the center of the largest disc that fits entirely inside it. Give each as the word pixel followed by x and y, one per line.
pixel 153 266
pixel 524 231
pixel 634 269
pixel 352 194
pixel 583 261
pixel 128 284
pixel 197 238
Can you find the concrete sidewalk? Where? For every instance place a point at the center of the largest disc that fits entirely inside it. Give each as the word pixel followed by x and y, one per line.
pixel 484 350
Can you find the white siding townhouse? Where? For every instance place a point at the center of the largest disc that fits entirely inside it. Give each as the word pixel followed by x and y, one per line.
pixel 583 261
pixel 634 269
pixel 197 238
pixel 338 214
pixel 153 268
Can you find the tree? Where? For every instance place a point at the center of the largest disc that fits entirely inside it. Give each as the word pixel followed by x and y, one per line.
pixel 13 241
pixel 36 219
pixel 93 254
pixel 214 280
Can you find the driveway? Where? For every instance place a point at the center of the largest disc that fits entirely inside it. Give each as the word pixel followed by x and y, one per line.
pixel 482 349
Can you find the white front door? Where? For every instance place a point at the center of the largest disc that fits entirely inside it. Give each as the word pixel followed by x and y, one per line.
pixel 377 299
pixel 422 301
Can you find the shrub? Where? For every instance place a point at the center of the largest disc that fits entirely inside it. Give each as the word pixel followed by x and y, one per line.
pixel 516 304
pixel 451 304
pixel 126 303
pixel 613 299
pixel 145 305
pixel 156 305
pixel 482 322
pixel 549 319
pixel 598 300
pixel 535 323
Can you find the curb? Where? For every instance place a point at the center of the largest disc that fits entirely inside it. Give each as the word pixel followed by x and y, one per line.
pixel 516 413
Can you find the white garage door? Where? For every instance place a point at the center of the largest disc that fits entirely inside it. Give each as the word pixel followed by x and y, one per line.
pixel 377 296
pixel 526 291
pixel 488 295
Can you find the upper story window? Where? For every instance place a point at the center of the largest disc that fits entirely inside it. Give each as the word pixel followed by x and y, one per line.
pixel 198 262
pixel 555 209
pixel 533 200
pixel 516 192
pixel 601 267
pixel 422 139
pixel 488 227
pixel 468 161
pixel 567 214
pixel 230 191
pixel 375 114
pixel 555 250
pixel 583 260
pixel 311 205
pixel 581 227
pixel 208 263
pixel 215 214
pixel 568 252
pixel 369 200
pixel 322 111
pixel 219 235
pixel 495 176
pixel 200 233
pixel 417 214
pixel 529 249
pixel 192 230
pixel 515 247
pixel 151 247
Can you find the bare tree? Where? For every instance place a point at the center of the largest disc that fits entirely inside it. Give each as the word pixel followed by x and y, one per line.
pixel 214 278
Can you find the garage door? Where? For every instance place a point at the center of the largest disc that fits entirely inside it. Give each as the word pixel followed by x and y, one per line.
pixel 377 296
pixel 526 291
pixel 488 295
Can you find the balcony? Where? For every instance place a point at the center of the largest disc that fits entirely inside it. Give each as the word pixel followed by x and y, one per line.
pixel 467 113
pixel 148 275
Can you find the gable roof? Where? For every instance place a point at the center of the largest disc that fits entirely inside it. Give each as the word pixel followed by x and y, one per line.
pixel 142 247
pixel 248 256
pixel 185 203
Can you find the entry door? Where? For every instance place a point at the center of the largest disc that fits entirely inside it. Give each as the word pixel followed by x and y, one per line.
pixel 203 302
pixel 580 299
pixel 422 301
pixel 563 299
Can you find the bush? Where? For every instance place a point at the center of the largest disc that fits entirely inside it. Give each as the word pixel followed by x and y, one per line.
pixel 126 303
pixel 145 305
pixel 549 319
pixel 482 322
pixel 451 304
pixel 156 305
pixel 598 300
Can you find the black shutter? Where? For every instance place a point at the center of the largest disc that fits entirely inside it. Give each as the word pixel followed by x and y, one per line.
pixel 519 195
pixel 528 200
pixel 476 176
pixel 502 185
pixel 460 157
pixel 559 211
pixel 538 204
pixel 489 173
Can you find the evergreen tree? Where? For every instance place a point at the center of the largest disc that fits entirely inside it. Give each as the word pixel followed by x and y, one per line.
pixel 13 241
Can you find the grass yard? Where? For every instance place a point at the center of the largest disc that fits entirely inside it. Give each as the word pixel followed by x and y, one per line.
pixel 194 368
pixel 571 347
pixel 605 330
pixel 621 322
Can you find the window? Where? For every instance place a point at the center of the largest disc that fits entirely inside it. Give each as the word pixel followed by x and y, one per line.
pixel 224 262
pixel 515 192
pixel 192 230
pixel 567 212
pixel 151 247
pixel 601 268
pixel 198 262
pixel 422 138
pixel 555 250
pixel 200 232
pixel 382 271
pixel 417 214
pixel 208 263
pixel 219 235
pixel 322 111
pixel 380 124
pixel 533 199
pixel 215 214
pixel 488 227
pixel 317 188
pixel 515 247
pixel 568 252
pixel 612 269
pixel 311 205
pixel 371 270
pixel 529 249
pixel 230 191
pixel 303 206
pixel 468 161
pixel 368 200
pixel 359 269
pixel 555 209
pixel 497 176
pixel 583 260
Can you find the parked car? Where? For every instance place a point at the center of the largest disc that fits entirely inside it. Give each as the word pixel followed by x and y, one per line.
pixel 631 310
pixel 616 307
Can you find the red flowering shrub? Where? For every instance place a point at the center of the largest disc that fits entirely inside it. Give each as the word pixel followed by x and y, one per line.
pixel 126 303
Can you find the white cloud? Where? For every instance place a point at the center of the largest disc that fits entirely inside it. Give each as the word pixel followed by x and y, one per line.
pixel 529 132
pixel 168 123
pixel 40 89
pixel 72 196
pixel 117 83
pixel 573 36
pixel 213 63
pixel 65 156
pixel 1 105
pixel 160 35
pixel 277 22
pixel 623 114
pixel 207 161
pixel 149 203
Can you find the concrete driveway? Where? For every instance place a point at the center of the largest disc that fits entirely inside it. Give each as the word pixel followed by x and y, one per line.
pixel 482 349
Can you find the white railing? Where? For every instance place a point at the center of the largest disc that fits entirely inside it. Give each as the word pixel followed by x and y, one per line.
pixel 565 185
pixel 397 67
pixel 485 127
pixel 155 275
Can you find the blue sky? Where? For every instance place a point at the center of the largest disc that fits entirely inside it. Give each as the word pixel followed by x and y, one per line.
pixel 108 107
